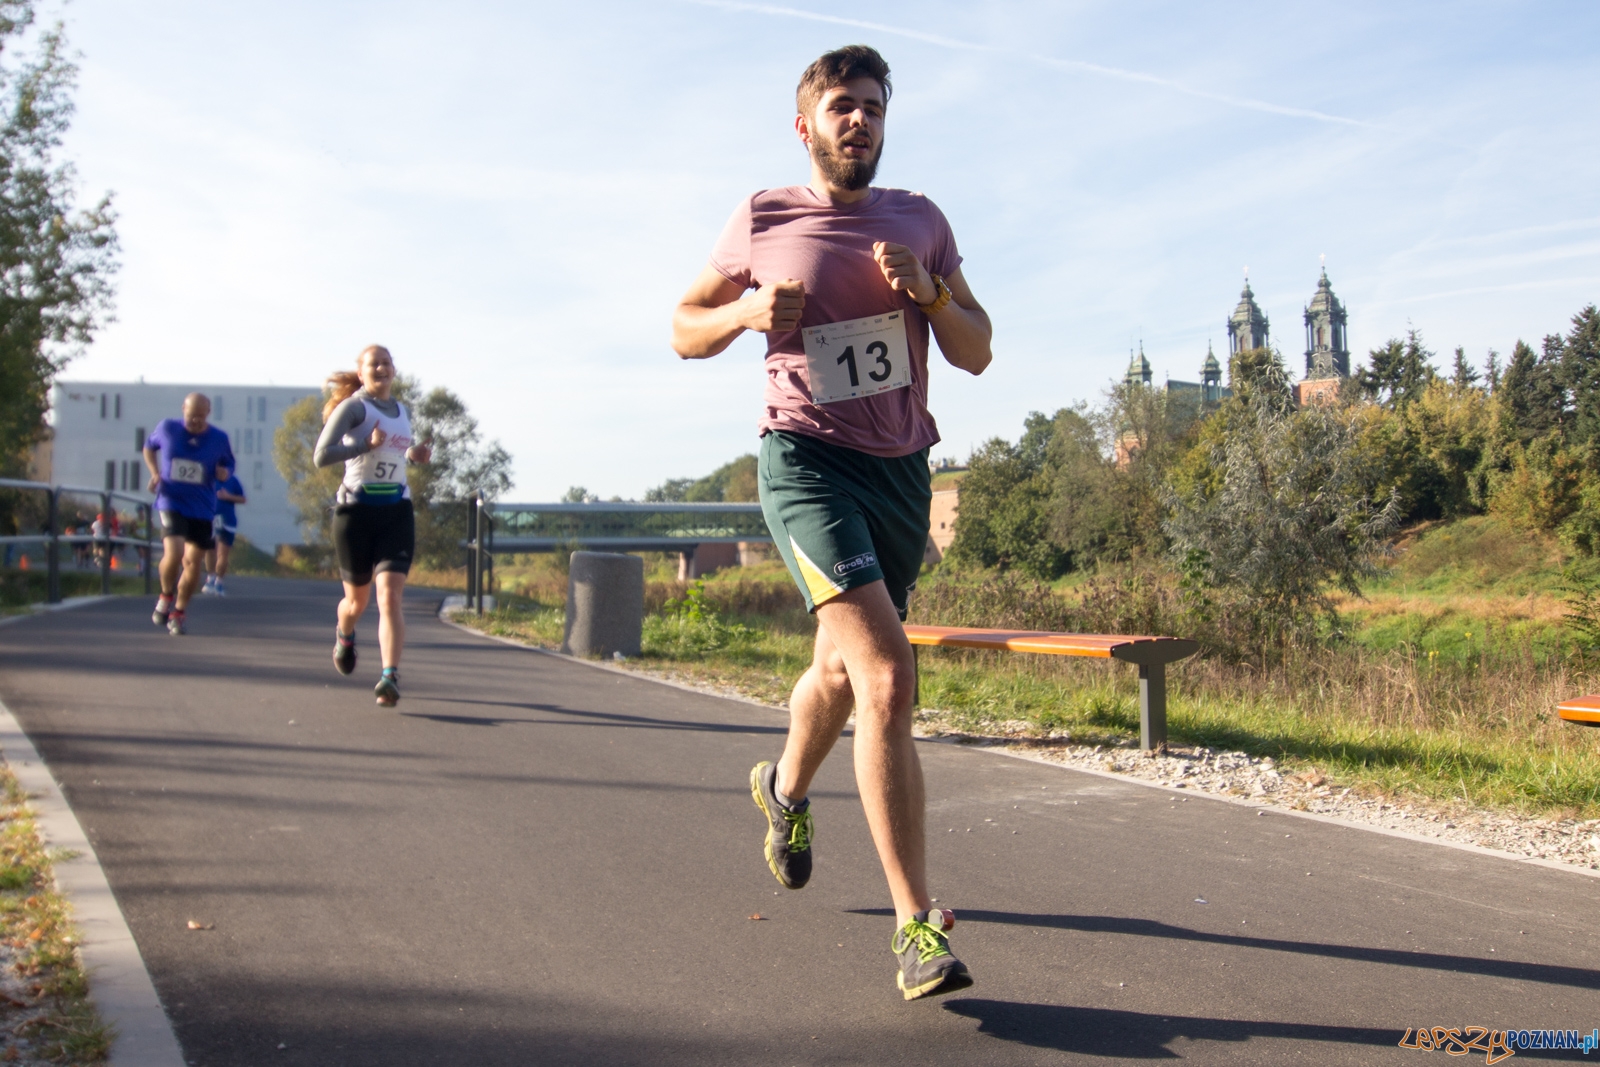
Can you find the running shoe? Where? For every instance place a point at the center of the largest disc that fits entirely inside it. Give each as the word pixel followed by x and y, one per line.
pixel 177 623
pixel 163 610
pixel 788 843
pixel 210 585
pixel 219 587
pixel 388 688
pixel 926 966
pixel 344 652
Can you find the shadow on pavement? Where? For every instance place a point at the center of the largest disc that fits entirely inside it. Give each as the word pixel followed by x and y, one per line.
pixel 1577 977
pixel 600 718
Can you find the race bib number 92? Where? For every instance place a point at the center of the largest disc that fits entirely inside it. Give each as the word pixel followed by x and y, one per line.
pixel 861 357
pixel 188 472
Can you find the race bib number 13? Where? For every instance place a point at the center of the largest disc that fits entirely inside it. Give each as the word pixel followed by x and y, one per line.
pixel 188 472
pixel 861 357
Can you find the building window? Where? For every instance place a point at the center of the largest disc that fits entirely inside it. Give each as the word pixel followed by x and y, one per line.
pixel 255 475
pixel 119 405
pixel 102 405
pixel 216 409
pixel 139 438
pixel 111 474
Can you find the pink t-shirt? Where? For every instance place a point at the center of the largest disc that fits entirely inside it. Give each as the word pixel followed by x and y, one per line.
pixel 794 233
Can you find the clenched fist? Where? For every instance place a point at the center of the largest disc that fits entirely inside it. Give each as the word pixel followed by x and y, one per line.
pixel 775 308
pixel 904 273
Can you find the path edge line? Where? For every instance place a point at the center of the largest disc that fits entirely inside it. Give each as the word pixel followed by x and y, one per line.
pixel 997 749
pixel 119 983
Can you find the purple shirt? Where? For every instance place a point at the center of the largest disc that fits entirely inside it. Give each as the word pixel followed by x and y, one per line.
pixel 794 233
pixel 188 464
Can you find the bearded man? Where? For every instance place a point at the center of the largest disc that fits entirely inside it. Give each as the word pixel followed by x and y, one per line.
pixel 846 280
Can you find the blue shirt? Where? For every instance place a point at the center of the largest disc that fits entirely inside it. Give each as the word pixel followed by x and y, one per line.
pixel 188 465
pixel 225 512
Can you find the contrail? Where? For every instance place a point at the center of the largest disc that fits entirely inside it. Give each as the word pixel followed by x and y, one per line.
pixel 1048 61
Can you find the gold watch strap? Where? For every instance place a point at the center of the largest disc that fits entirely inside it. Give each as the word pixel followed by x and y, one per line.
pixel 939 301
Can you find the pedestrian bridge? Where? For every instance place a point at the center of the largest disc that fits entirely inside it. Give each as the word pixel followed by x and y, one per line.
pixel 620 527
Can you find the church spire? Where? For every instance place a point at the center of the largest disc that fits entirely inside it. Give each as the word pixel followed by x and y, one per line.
pixel 1327 348
pixel 1247 326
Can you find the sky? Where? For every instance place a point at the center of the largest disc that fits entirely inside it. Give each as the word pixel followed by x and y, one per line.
pixel 513 196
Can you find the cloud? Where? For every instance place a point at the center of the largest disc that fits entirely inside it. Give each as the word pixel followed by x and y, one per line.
pixel 1074 65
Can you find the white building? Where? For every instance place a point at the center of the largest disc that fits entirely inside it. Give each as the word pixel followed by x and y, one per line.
pixel 100 430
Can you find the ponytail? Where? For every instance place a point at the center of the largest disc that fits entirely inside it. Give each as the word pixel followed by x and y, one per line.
pixel 342 384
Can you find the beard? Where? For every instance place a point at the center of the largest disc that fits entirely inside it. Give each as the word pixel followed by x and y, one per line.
pixel 840 169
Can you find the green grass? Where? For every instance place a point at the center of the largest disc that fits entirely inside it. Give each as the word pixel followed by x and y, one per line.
pixel 19 589
pixel 1443 686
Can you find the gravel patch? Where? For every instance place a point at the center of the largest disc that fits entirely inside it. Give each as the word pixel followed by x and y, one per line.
pixel 1236 774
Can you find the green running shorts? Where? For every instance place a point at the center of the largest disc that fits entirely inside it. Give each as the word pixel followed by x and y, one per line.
pixel 843 518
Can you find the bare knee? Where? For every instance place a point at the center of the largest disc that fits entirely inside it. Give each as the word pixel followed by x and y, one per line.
pixel 889 694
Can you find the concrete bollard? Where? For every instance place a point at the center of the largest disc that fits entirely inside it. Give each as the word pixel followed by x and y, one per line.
pixel 605 604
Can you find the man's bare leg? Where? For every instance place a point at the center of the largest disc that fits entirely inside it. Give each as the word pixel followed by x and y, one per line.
pixel 194 571
pixel 172 549
pixel 862 660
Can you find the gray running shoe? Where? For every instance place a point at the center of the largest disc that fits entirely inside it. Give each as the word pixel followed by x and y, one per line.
pixel 926 966
pixel 177 623
pixel 788 843
pixel 388 688
pixel 161 614
pixel 344 652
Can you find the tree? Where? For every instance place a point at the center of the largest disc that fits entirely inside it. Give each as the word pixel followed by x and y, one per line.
pixel 1286 512
pixel 1532 400
pixel 1580 374
pixel 311 489
pixel 56 262
pixel 734 481
pixel 1006 503
pixel 1397 373
pixel 1463 373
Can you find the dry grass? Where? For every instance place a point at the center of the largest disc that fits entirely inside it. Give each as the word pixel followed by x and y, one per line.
pixel 44 994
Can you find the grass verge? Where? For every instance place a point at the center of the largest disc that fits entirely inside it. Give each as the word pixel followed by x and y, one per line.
pixel 45 1012
pixel 1437 713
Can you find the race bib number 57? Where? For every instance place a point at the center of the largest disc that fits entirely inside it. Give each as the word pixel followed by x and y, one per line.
pixel 861 357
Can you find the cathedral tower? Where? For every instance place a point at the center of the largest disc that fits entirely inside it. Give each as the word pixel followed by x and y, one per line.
pixel 1327 351
pixel 1247 326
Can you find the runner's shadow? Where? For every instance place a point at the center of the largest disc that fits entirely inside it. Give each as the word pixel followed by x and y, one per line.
pixel 599 718
pixel 1576 977
pixel 1137 1035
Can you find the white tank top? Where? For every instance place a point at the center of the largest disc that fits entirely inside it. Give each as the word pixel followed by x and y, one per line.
pixel 378 476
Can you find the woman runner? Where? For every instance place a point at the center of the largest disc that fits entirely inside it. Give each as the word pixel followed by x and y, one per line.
pixel 374 531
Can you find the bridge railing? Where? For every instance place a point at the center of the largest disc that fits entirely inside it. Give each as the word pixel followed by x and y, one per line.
pixel 51 535
pixel 614 526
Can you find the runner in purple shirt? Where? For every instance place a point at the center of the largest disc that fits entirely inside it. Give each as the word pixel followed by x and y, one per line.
pixel 186 458
pixel 848 280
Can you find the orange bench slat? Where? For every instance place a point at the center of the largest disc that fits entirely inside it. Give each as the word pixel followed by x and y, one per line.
pixel 1103 646
pixel 1584 710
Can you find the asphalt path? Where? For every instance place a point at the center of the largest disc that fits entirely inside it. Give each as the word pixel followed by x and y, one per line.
pixel 535 861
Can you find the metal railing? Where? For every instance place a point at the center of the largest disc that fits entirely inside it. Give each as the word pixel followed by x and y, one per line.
pixel 104 542
pixel 607 526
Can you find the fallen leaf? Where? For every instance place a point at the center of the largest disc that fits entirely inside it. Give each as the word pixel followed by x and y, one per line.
pixel 195 924
pixel 757 917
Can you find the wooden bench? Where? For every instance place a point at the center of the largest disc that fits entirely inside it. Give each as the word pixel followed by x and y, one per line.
pixel 1585 711
pixel 1151 654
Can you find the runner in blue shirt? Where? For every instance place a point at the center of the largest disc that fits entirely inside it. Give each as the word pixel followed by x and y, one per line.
pixel 187 457
pixel 230 491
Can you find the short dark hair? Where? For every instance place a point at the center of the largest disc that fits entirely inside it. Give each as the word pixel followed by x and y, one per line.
pixel 837 67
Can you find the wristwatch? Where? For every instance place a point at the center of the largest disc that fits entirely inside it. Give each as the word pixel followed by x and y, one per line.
pixel 939 301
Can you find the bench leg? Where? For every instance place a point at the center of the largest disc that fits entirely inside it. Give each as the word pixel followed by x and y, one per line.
pixel 916 680
pixel 1153 707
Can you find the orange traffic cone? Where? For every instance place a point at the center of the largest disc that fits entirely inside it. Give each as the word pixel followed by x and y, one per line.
pixel 115 565
pixel 23 565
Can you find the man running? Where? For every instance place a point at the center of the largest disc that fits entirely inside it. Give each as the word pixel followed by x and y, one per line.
pixel 230 491
pixel 186 457
pixel 847 280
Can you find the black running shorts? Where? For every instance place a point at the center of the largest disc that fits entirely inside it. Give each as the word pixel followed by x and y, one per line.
pixel 194 531
pixel 842 518
pixel 369 538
